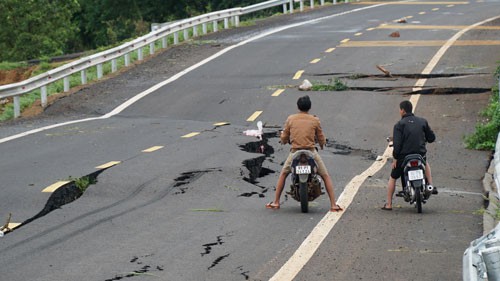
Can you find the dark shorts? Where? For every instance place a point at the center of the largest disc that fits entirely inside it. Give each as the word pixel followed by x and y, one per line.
pixel 398 171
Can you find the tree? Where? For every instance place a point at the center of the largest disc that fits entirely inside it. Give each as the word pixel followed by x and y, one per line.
pixel 36 28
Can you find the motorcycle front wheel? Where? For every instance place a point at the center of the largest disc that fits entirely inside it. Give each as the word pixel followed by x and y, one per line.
pixel 304 200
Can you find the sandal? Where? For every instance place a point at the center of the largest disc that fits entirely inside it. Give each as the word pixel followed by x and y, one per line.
pixel 271 206
pixel 338 209
pixel 385 208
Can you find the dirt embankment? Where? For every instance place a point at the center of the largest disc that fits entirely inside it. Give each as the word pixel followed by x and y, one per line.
pixel 15 75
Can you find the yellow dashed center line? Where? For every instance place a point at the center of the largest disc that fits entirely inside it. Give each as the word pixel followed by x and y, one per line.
pixel 298 74
pixel 190 135
pixel 435 9
pixel 370 29
pixel 13 225
pixel 315 60
pixel 345 40
pixel 422 13
pixel 449 6
pixel 278 92
pixel 358 34
pixel 330 50
pixel 428 43
pixel 221 124
pixel 409 17
pixel 53 187
pixel 254 116
pixel 154 148
pixel 107 165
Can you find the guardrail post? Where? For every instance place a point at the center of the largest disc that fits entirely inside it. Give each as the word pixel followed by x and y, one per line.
pixel 151 48
pixel 113 65
pixel 43 96
pixel 186 34
pixel 284 9
pixel 195 31
pixel 312 4
pixel 164 42
pixel 176 38
pixel 216 26
pixel 139 54
pixel 226 23
pixel 291 6
pixel 334 2
pixel 237 21
pixel 491 257
pixel 204 28
pixel 66 83
pixel 301 5
pixel 17 107
pixel 84 76
pixel 99 71
pixel 322 2
pixel 127 59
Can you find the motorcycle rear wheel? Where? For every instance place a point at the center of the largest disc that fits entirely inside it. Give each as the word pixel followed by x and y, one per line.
pixel 418 200
pixel 304 200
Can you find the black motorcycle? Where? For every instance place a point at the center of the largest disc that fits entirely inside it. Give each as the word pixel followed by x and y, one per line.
pixel 414 182
pixel 306 185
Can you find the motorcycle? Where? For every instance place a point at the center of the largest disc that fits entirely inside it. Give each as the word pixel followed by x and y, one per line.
pixel 415 188
pixel 306 185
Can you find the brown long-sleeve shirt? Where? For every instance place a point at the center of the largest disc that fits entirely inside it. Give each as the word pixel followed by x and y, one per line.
pixel 301 130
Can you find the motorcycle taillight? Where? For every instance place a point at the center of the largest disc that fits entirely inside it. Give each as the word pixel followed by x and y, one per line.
pixel 414 163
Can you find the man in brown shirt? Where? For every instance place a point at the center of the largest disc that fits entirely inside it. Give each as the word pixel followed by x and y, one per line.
pixel 302 130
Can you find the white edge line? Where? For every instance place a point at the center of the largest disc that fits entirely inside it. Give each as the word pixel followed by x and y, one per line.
pixel 139 96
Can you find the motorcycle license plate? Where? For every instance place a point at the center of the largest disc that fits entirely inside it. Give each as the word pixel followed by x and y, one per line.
pixel 415 175
pixel 301 170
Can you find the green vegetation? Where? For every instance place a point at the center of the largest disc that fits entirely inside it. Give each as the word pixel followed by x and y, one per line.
pixel 333 85
pixel 485 136
pixel 84 182
pixel 46 28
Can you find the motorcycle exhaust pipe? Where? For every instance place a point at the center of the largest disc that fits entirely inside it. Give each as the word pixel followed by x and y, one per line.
pixel 430 188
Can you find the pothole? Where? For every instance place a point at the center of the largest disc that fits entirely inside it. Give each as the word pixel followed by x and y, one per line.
pixel 344 149
pixel 187 178
pixel 254 165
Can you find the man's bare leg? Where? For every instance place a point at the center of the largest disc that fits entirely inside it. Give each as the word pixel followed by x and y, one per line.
pixel 279 189
pixel 329 189
pixel 391 187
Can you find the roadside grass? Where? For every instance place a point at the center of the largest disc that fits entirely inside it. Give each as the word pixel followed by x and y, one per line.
pixel 486 133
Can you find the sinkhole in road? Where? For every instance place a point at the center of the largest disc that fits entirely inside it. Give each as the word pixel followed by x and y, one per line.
pixel 255 165
pixel 66 194
pixel 188 177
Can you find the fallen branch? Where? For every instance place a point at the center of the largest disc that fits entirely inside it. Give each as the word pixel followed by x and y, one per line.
pixel 385 71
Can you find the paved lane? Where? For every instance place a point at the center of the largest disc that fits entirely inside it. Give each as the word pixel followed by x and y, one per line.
pixel 185 212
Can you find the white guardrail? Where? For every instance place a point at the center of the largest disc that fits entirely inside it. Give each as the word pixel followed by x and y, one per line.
pixel 229 16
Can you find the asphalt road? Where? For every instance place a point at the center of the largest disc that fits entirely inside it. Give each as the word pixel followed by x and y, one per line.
pixel 194 209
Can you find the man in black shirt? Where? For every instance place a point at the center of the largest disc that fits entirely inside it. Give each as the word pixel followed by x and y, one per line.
pixel 410 136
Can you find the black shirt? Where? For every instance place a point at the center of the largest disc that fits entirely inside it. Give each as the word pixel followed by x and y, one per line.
pixel 411 134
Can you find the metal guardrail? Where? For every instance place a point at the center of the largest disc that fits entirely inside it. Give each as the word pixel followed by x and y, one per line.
pixel 229 16
pixel 481 261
